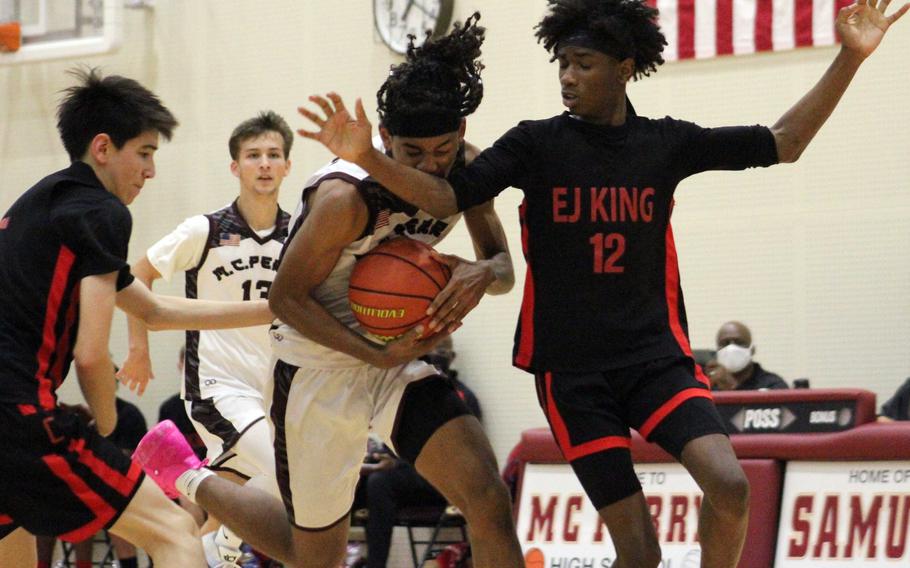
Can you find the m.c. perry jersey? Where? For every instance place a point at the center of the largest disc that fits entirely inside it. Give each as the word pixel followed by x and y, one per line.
pixel 224 259
pixel 388 217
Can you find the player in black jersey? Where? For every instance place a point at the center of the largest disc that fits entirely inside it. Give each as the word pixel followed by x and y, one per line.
pixel 602 324
pixel 64 249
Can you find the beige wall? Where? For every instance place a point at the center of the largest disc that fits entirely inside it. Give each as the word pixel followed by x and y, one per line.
pixel 815 257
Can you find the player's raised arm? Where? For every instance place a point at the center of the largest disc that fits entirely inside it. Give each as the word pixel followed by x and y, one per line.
pixel 861 26
pixel 350 139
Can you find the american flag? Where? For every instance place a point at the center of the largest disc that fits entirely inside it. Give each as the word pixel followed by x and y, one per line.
pixel 229 240
pixel 699 29
pixel 382 219
pixel 4 223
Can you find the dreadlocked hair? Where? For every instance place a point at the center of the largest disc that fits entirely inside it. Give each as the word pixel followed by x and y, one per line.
pixel 629 27
pixel 441 76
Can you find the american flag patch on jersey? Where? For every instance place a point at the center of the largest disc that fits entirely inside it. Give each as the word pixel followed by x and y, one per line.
pixel 4 223
pixel 229 240
pixel 382 219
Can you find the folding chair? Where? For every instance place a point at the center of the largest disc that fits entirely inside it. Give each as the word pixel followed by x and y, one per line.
pixel 436 518
pixel 108 559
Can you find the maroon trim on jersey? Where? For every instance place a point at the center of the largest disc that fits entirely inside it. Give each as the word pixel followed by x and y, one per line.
pixel 122 484
pixel 526 319
pixel 49 344
pixel 668 407
pixel 672 290
pixel 96 504
pixel 558 425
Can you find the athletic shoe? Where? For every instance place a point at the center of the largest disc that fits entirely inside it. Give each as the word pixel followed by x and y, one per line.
pixel 165 454
pixel 219 555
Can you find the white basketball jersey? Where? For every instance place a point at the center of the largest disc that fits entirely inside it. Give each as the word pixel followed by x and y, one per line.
pixel 389 217
pixel 224 259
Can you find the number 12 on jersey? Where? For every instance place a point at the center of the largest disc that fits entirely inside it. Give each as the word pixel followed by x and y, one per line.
pixel 608 250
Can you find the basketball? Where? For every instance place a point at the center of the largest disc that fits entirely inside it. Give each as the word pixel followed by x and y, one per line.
pixel 392 286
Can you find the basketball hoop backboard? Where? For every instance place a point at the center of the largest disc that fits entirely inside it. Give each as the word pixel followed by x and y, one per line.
pixel 53 29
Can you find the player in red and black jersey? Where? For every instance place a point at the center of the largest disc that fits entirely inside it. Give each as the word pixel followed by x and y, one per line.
pixel 64 248
pixel 602 324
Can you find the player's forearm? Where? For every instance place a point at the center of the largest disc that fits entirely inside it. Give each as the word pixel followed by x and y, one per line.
pixel 171 312
pixel 796 128
pixel 314 322
pixel 430 193
pixel 503 274
pixel 136 329
pixel 96 380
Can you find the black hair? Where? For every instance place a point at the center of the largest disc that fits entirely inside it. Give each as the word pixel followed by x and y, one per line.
pixel 627 27
pixel 437 84
pixel 265 121
pixel 117 106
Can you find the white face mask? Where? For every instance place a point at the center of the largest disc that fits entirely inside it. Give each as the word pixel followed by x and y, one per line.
pixel 734 357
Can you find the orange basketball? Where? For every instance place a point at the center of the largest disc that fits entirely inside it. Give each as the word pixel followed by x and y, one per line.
pixel 392 286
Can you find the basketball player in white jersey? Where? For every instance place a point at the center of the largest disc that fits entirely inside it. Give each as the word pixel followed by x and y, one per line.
pixel 333 385
pixel 229 254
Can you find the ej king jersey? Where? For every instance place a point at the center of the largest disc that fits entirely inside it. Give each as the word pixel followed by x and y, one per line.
pixel 388 217
pixel 224 259
pixel 602 287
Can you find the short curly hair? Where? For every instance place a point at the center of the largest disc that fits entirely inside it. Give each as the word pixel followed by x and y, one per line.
pixel 628 27
pixel 440 78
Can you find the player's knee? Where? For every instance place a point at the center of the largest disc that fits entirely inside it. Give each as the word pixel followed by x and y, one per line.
pixel 174 535
pixel 488 504
pixel 730 495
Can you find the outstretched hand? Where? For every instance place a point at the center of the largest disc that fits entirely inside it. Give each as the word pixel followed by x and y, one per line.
pixel 136 372
pixel 862 25
pixel 346 137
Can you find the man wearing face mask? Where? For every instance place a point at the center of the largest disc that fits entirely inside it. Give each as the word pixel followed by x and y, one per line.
pixel 733 367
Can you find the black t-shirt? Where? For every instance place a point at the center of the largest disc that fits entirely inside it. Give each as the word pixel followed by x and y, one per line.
pixel 130 428
pixel 61 230
pixel 898 406
pixel 602 288
pixel 762 379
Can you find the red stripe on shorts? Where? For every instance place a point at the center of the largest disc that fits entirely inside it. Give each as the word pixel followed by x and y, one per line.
pixel 99 507
pixel 571 452
pixel 668 407
pixel 122 484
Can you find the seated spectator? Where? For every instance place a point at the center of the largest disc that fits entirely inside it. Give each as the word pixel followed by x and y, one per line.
pixel 733 367
pixel 391 484
pixel 898 406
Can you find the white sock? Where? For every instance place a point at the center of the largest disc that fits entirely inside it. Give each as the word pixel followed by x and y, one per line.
pixel 189 481
pixel 226 537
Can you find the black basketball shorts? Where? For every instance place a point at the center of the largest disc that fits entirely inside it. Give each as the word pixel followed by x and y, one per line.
pixel 667 400
pixel 59 476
